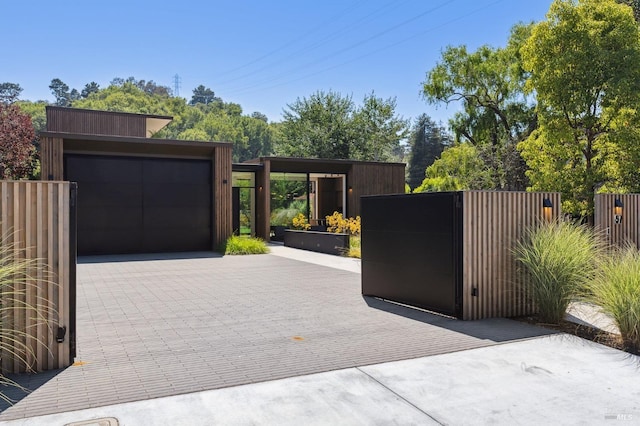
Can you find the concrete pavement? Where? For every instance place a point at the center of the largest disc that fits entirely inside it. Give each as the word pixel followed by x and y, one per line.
pixel 559 379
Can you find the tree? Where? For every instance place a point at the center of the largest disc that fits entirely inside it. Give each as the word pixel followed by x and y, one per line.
pixel 318 126
pixel 9 92
pixel 260 116
pixel 496 113
pixel 459 168
pixel 378 129
pixel 329 125
pixel 426 143
pixel 16 143
pixel 64 97
pixel 585 70
pixel 89 88
pixel 634 5
pixel 203 95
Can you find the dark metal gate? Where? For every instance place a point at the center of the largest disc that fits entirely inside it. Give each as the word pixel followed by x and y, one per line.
pixel 412 250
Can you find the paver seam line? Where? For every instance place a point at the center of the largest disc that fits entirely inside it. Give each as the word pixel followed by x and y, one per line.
pixel 399 396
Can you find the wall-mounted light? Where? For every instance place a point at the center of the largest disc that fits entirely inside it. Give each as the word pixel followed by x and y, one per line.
pixel 547 208
pixel 260 188
pixel 617 210
pixel 350 190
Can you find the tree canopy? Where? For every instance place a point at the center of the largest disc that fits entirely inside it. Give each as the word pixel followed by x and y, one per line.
pixel 584 61
pixel 16 143
pixel 330 125
pixel 426 142
pixel 496 113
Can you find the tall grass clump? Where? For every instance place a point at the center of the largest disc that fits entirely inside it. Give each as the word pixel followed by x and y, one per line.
pixel 244 245
pixel 21 283
pixel 616 291
pixel 559 258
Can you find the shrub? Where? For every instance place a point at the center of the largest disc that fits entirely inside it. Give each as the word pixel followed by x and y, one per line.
pixel 616 290
pixel 336 223
pixel 245 245
pixel 354 247
pixel 17 276
pixel 300 222
pixel 559 258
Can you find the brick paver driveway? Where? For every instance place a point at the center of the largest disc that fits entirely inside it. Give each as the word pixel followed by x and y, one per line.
pixel 152 328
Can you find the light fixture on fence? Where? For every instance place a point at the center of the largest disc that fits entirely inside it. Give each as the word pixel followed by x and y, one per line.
pixel 547 208
pixel 350 190
pixel 617 210
pixel 617 207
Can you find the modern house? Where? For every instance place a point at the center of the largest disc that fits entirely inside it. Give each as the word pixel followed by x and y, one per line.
pixel 138 194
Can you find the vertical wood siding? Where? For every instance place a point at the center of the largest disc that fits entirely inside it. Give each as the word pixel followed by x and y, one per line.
pixel 51 150
pixel 628 230
pixel 222 201
pixel 69 120
pixel 493 222
pixel 35 223
pixel 373 179
pixel 263 197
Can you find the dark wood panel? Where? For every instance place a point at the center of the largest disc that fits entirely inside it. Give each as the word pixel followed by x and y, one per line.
pixel 71 120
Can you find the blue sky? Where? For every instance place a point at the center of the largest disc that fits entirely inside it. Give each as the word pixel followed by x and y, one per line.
pixel 262 55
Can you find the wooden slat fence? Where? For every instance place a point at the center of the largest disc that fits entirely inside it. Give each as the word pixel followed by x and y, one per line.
pixel 36 223
pixel 626 229
pixel 493 221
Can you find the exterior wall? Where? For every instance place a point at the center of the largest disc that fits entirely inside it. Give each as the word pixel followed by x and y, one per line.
pixel 628 230
pixel 373 179
pixel 36 224
pixel 492 223
pixel 263 198
pixel 78 121
pixel 51 163
pixel 222 201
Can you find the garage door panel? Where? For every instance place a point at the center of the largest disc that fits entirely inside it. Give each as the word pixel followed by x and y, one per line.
pixel 109 241
pixel 114 217
pixel 176 171
pixel 175 217
pixel 103 169
pixel 197 239
pixel 137 205
pixel 100 194
pixel 192 195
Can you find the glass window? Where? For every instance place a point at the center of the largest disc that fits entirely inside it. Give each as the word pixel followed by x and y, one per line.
pixel 288 197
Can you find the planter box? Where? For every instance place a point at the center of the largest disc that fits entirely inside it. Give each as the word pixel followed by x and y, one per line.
pixel 321 242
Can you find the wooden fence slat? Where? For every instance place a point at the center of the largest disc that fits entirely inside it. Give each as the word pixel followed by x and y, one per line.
pixel 35 221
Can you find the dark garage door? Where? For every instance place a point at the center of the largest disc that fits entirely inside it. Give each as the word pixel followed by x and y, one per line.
pixel 141 205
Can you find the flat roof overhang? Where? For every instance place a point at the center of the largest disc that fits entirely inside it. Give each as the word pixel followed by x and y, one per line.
pixel 312 165
pixel 118 145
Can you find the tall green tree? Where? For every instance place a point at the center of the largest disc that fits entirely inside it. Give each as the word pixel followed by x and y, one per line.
pixel 89 88
pixel 329 125
pixel 426 143
pixel 9 92
pixel 203 95
pixel 496 115
pixel 584 61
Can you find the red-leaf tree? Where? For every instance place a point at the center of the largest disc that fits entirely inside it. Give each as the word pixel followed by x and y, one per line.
pixel 16 143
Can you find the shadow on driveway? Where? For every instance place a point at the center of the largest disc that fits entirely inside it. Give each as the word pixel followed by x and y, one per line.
pixel 111 258
pixel 494 329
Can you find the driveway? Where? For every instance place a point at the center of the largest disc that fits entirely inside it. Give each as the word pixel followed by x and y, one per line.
pixel 155 326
